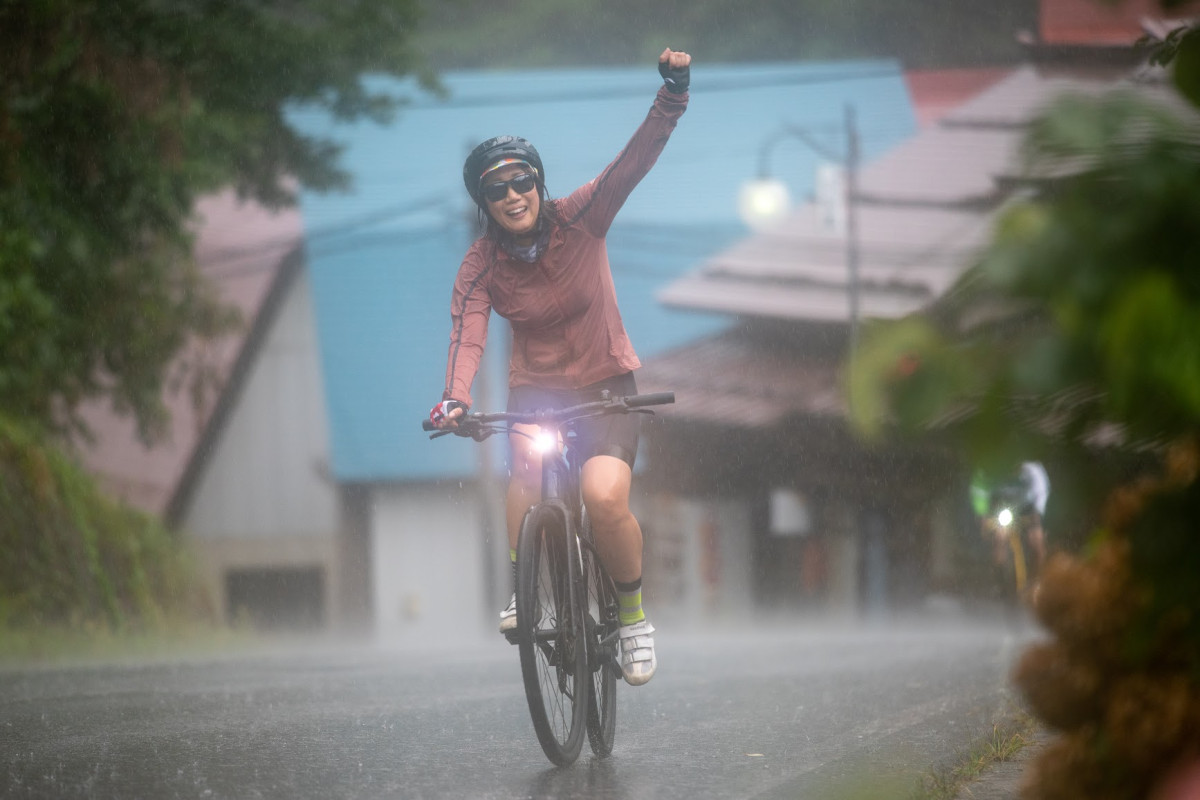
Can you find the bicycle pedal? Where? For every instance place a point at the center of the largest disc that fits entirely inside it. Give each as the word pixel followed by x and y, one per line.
pixel 511 636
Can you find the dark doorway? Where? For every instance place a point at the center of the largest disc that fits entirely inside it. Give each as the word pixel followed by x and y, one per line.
pixel 276 599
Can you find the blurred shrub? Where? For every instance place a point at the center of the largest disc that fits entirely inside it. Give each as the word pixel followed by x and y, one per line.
pixel 1121 677
pixel 1076 334
pixel 74 557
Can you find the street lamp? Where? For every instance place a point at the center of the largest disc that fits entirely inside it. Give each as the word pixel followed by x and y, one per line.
pixel 764 201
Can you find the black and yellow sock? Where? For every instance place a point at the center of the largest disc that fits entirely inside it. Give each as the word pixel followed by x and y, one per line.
pixel 629 596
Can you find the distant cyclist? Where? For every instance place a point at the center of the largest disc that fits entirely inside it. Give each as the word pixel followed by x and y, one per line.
pixel 1023 493
pixel 542 265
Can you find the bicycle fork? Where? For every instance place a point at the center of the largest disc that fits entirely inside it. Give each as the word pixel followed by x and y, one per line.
pixel 1018 551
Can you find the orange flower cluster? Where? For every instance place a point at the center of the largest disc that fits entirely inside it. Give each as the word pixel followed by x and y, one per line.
pixel 1129 725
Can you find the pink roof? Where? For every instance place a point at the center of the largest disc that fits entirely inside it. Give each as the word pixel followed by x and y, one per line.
pixel 240 246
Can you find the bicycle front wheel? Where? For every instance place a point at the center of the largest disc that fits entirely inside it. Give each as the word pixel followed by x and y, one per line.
pixel 550 633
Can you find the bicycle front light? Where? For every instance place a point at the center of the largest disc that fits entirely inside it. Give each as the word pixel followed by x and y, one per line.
pixel 545 441
pixel 1005 517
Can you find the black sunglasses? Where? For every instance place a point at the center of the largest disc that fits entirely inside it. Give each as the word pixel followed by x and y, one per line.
pixel 521 184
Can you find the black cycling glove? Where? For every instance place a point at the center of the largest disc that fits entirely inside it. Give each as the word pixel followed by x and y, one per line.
pixel 677 80
pixel 442 410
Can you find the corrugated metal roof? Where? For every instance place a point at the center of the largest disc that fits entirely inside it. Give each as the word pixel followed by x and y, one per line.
pixel 743 383
pixel 924 210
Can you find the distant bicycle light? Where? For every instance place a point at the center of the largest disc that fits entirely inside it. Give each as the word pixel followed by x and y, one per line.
pixel 1005 517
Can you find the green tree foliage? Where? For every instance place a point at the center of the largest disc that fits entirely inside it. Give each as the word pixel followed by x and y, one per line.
pixel 536 33
pixel 1080 321
pixel 114 118
pixel 1085 305
pixel 1076 334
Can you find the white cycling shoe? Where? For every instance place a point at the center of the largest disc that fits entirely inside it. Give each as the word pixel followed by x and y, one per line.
pixel 508 617
pixel 637 653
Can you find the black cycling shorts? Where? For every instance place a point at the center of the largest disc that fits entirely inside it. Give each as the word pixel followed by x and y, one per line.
pixel 610 435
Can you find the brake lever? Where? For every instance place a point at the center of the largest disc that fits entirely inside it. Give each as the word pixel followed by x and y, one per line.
pixel 470 429
pixel 463 429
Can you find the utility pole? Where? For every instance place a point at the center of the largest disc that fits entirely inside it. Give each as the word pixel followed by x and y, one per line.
pixel 851 165
pixel 493 529
pixel 768 196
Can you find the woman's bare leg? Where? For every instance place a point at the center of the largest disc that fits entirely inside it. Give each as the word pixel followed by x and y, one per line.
pixel 606 481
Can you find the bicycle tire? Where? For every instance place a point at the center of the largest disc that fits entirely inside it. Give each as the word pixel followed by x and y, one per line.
pixel 603 627
pixel 550 633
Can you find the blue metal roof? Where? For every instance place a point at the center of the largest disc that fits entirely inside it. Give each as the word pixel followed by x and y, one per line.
pixel 382 257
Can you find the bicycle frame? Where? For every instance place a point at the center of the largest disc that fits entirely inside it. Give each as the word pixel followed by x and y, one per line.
pixel 1012 534
pixel 556 469
pixel 561 477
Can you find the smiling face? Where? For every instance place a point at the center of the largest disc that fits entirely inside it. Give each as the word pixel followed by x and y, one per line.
pixel 516 213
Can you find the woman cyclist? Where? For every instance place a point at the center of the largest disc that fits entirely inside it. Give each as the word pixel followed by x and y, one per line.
pixel 542 265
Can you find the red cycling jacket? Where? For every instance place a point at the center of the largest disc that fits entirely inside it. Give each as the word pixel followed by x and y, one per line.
pixel 567 331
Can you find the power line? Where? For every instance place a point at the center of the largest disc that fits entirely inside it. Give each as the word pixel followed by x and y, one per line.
pixel 230 256
pixel 726 85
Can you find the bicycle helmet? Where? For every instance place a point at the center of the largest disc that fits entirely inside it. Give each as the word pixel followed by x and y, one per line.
pixel 499 148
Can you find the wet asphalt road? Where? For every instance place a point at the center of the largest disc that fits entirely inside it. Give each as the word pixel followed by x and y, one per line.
pixel 786 713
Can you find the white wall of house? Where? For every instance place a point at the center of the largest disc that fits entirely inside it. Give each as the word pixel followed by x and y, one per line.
pixel 431 559
pixel 698 565
pixel 437 575
pixel 264 499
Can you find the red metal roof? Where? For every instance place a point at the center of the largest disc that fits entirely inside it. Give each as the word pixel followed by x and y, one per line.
pixel 935 91
pixel 1088 22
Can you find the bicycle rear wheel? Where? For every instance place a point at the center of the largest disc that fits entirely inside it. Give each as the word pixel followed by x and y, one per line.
pixel 603 629
pixel 550 634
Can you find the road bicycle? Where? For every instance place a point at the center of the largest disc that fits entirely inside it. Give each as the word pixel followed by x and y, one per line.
pixel 1006 525
pixel 568 626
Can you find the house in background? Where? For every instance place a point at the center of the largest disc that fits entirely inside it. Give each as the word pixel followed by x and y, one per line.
pixel 239 247
pixel 758 441
pixel 307 489
pixel 426 512
pixel 312 499
pixel 243 472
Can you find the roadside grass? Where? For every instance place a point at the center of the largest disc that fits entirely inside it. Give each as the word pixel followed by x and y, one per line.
pixel 1009 736
pixel 891 769
pixel 55 645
